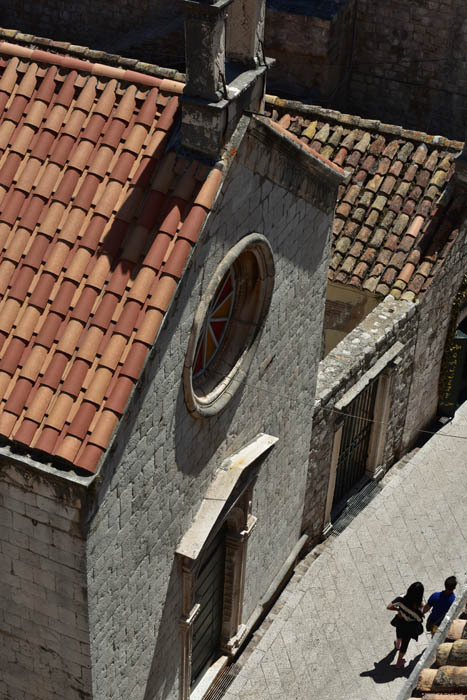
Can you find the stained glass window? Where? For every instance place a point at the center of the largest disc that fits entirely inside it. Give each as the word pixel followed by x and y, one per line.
pixel 215 324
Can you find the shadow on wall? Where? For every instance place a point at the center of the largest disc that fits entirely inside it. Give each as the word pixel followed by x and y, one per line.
pixel 163 672
pixel 207 434
pixel 193 441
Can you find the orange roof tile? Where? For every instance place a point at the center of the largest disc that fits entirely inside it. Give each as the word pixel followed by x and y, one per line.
pixel 89 205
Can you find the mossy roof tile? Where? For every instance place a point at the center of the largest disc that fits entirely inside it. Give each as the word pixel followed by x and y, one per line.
pixel 403 174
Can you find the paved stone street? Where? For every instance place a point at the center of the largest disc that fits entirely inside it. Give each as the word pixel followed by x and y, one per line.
pixel 330 636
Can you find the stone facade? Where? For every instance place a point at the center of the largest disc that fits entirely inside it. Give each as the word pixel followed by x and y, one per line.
pixel 163 460
pixel 421 327
pixel 434 316
pixel 345 307
pixel 89 577
pixel 89 22
pixel 390 322
pixel 409 65
pixel 44 639
pixel 312 45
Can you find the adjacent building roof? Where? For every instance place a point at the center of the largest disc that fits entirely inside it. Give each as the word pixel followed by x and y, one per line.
pixel 448 679
pixel 398 215
pixel 97 219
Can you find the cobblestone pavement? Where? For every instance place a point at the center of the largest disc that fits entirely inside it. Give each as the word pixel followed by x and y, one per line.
pixel 330 636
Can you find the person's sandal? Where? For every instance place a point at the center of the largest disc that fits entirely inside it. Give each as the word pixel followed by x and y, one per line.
pixel 400 663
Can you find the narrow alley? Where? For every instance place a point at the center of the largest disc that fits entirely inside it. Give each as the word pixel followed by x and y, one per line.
pixel 331 638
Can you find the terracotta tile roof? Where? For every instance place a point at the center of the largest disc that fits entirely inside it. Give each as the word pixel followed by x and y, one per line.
pixel 447 679
pixel 91 55
pixel 397 217
pixel 305 147
pixel 97 220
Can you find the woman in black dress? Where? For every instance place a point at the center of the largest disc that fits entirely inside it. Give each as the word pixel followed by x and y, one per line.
pixel 409 618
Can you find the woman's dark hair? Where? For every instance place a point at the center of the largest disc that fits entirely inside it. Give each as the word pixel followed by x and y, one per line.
pixel 414 595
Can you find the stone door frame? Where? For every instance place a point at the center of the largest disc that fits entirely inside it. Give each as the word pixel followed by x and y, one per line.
pixel 228 501
pixel 383 370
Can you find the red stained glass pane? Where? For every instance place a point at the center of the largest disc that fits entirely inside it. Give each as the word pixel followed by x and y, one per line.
pixel 216 322
pixel 225 289
pixel 217 328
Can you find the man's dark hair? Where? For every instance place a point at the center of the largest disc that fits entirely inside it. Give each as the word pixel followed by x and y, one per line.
pixel 450 583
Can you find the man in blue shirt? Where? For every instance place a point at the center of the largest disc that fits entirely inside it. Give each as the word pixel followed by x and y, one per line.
pixel 439 604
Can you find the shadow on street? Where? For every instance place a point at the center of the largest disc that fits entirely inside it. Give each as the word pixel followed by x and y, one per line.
pixel 385 671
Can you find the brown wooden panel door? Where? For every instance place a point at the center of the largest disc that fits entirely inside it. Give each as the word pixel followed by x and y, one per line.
pixel 209 593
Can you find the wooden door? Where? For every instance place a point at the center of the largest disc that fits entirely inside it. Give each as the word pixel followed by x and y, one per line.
pixel 209 593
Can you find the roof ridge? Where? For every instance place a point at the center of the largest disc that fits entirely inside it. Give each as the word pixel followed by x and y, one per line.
pixel 359 122
pixel 305 147
pixel 102 59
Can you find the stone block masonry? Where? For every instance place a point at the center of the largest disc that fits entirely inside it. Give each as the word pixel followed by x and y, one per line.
pixel 87 22
pixel 422 328
pixel 163 459
pixel 434 315
pixel 147 30
pixel 399 62
pixel 312 45
pixel 44 639
pixel 360 350
pixel 409 65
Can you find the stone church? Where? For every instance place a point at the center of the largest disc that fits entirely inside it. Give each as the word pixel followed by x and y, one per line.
pixel 163 269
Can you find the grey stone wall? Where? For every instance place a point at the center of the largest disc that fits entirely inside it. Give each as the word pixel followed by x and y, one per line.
pixel 88 22
pixel 163 459
pixel 44 639
pixel 409 64
pixel 389 322
pixel 434 316
pixel 149 30
pixel 312 47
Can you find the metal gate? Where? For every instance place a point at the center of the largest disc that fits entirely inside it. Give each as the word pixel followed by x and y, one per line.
pixel 209 593
pixel 356 432
pixel 454 377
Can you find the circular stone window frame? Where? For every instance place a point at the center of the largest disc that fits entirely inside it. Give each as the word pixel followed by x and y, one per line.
pixel 209 395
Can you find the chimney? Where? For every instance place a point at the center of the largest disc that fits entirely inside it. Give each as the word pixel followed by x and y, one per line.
pixel 245 33
pixel 226 69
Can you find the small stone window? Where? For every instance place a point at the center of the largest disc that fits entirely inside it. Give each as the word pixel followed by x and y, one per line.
pixel 226 325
